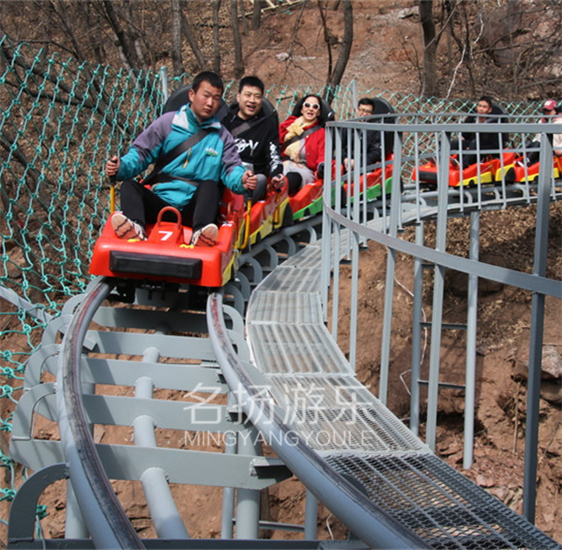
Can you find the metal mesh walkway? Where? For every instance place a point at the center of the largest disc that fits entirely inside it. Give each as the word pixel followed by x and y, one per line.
pixel 360 439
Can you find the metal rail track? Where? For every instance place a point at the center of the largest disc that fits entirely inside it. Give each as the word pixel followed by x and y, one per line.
pixel 89 357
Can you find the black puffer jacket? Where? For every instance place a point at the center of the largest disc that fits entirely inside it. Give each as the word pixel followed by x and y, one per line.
pixel 259 143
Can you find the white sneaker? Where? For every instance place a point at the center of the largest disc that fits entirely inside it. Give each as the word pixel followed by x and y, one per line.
pixel 206 236
pixel 127 229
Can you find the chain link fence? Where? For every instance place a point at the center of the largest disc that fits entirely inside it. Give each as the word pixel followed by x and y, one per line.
pixel 60 122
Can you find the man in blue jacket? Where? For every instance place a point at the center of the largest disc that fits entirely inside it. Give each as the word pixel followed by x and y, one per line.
pixel 190 180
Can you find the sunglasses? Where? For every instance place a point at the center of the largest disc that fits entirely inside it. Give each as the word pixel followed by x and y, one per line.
pixel 312 105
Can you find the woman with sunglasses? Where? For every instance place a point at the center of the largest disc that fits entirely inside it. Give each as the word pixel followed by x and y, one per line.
pixel 551 111
pixel 302 138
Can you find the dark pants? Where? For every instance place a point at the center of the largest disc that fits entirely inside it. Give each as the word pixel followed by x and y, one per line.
pixel 532 156
pixel 143 206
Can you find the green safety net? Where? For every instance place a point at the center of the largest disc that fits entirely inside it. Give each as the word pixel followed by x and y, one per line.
pixel 60 122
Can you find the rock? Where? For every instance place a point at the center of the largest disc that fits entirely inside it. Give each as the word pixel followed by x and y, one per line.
pixel 552 392
pixel 408 12
pixel 483 481
pixel 551 363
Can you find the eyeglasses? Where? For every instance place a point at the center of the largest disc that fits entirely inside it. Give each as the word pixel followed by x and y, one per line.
pixel 312 105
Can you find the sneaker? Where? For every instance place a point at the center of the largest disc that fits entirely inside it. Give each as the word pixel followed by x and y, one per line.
pixel 206 236
pixel 127 229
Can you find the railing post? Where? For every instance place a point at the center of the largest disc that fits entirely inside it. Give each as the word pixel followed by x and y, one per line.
pixel 438 287
pixel 471 322
pixel 164 79
pixel 537 329
pixel 416 335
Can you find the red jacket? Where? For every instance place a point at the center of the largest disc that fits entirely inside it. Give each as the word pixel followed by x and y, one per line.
pixel 314 143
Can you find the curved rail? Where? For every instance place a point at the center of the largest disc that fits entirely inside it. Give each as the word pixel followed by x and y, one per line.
pixel 372 525
pixel 95 494
pixel 105 518
pixel 89 465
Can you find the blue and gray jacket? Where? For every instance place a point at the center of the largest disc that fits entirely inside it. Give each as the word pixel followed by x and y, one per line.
pixel 215 157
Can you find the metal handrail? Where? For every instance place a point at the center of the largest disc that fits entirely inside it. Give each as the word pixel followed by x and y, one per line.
pixel 105 518
pixel 371 524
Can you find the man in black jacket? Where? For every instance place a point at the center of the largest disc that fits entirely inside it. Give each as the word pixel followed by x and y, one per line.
pixel 483 141
pixel 365 108
pixel 255 127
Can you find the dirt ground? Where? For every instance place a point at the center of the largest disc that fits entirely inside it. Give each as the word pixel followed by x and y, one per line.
pixel 379 60
pixel 502 351
pixel 504 315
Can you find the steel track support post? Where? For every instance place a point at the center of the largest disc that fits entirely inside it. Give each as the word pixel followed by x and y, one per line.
pixel 395 221
pixel 354 298
pixel 332 246
pixel 355 257
pixel 416 336
pixel 537 330
pixel 387 323
pixel 471 324
pixel 326 220
pixel 248 505
pixel 438 288
pixel 75 526
pixel 363 196
pixel 310 517
pixel 353 86
pixel 228 493
pixel 165 516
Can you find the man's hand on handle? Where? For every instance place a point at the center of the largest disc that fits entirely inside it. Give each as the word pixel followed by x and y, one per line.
pixel 278 181
pixel 112 166
pixel 249 180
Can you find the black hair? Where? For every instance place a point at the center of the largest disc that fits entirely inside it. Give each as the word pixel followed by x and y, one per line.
pixel 253 81
pixel 326 112
pixel 366 101
pixel 208 76
pixel 487 99
pixel 320 102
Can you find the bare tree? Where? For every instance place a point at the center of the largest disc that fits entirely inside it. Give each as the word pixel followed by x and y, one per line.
pixel 134 35
pixel 93 21
pixel 238 60
pixel 464 44
pixel 335 75
pixel 240 8
pixel 508 48
pixel 126 48
pixel 176 39
pixel 256 14
pixel 429 47
pixel 189 34
pixel 216 41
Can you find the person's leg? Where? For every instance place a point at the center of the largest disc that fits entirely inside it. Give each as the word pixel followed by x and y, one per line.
pixel 139 207
pixel 532 156
pixel 201 213
pixel 203 207
pixel 295 182
pixel 261 188
pixel 140 204
pixel 469 155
